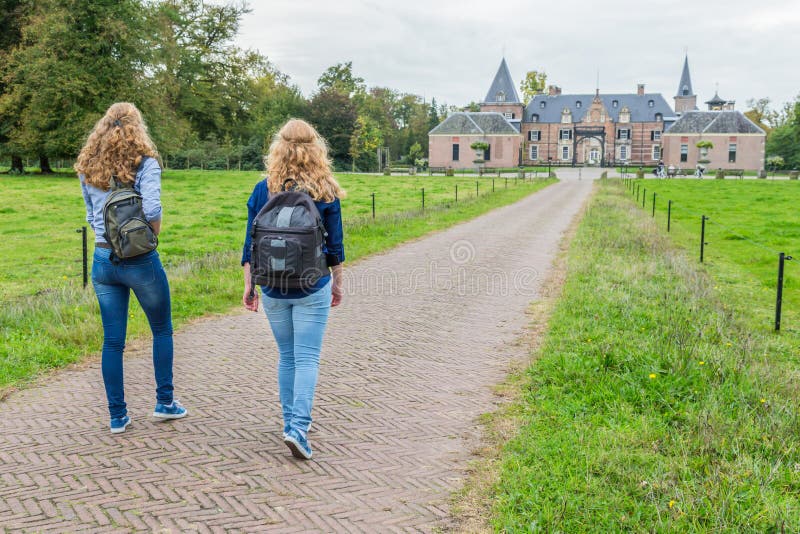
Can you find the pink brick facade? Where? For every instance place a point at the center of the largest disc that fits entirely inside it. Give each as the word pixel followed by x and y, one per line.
pixel 749 151
pixel 503 150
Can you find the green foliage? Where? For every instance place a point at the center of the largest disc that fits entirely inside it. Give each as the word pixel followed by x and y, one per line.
pixel 649 407
pixel 719 174
pixel 364 143
pixel 640 173
pixel 340 78
pixel 704 143
pixel 533 84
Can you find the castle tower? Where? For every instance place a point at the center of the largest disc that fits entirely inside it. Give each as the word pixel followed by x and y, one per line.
pixel 502 96
pixel 685 99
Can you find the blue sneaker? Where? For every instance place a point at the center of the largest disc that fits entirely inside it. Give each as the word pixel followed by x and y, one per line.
pixel 119 424
pixel 298 445
pixel 170 411
pixel 286 429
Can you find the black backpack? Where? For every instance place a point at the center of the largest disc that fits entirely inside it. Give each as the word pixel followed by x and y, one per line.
pixel 287 243
pixel 127 231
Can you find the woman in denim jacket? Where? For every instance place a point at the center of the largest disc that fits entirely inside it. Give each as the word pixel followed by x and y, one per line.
pixel 120 146
pixel 298 317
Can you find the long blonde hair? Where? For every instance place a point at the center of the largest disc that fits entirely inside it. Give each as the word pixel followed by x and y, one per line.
pixel 298 153
pixel 115 147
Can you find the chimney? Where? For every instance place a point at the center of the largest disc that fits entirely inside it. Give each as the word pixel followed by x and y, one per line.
pixel 640 89
pixel 553 90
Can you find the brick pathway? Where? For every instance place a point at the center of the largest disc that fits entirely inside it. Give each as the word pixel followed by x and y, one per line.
pixel 407 366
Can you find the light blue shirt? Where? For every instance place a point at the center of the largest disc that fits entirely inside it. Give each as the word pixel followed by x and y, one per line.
pixel 147 184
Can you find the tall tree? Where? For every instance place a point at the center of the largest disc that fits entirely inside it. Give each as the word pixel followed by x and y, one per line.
pixel 533 84
pixel 364 143
pixel 75 58
pixel 340 78
pixel 334 115
pixel 12 17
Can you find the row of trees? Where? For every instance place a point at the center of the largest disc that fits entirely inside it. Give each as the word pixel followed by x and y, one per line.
pixel 783 131
pixel 207 101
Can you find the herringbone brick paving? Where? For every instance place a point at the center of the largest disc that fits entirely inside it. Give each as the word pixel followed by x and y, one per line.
pixel 408 364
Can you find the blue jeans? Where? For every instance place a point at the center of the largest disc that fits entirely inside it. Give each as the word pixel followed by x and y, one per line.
pixel 112 284
pixel 298 325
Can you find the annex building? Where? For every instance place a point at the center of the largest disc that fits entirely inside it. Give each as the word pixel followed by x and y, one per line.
pixel 637 128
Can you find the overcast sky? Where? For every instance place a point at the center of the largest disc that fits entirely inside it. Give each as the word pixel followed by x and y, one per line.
pixel 451 49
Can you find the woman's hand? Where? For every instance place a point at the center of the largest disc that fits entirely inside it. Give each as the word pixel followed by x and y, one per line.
pixel 336 289
pixel 250 296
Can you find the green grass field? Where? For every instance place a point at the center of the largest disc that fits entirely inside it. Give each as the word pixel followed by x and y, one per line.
pixel 48 320
pixel 751 221
pixel 652 405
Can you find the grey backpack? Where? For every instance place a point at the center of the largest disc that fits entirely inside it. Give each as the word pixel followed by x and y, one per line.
pixel 287 243
pixel 127 231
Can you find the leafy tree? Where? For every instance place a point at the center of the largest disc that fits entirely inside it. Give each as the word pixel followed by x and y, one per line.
pixel 364 143
pixel 340 78
pixel 334 116
pixel 75 57
pixel 533 84
pixel 761 114
pixel 12 18
pixel 415 153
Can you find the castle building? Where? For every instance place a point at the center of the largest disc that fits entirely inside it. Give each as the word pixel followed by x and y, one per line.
pixel 638 129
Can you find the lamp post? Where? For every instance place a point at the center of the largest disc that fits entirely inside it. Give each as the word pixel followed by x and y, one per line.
pixel 549 161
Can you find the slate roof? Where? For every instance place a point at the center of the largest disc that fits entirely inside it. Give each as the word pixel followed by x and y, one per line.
pixel 719 122
pixel 717 99
pixel 686 80
pixel 638 105
pixel 474 123
pixel 503 82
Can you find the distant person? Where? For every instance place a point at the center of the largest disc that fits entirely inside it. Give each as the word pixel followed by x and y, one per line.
pixel 671 172
pixel 119 155
pixel 660 169
pixel 300 189
pixel 699 171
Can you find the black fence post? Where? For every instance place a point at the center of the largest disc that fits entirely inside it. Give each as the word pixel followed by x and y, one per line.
pixel 654 205
pixel 492 185
pixel 82 231
pixel 702 237
pixel 669 214
pixel 456 193
pixel 779 300
pixel 373 205
pixel 506 182
pixel 477 193
pixel 423 199
pixel 644 195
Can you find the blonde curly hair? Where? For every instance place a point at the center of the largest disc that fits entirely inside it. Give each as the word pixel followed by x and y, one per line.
pixel 298 153
pixel 115 147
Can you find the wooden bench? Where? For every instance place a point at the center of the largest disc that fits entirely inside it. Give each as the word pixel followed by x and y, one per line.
pixel 442 170
pixel 735 172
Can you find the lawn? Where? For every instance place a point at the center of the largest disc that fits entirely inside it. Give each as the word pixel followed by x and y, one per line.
pixel 750 222
pixel 651 406
pixel 48 320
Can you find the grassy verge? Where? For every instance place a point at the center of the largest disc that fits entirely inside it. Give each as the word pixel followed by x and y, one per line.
pixel 649 407
pixel 48 320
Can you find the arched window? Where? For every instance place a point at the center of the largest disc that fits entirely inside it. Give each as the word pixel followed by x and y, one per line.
pixel 500 96
pixel 535 117
pixel 659 117
pixel 542 104
pixel 578 104
pixel 651 103
pixel 614 103
pixel 685 90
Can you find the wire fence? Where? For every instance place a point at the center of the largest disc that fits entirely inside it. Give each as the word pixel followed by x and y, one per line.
pixel 639 192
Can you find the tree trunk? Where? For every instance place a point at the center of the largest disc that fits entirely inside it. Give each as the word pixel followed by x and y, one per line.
pixel 44 165
pixel 16 165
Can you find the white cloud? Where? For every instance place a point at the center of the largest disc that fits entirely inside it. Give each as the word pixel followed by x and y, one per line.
pixel 451 49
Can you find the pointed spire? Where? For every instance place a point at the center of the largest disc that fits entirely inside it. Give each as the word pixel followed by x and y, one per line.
pixel 685 86
pixel 502 89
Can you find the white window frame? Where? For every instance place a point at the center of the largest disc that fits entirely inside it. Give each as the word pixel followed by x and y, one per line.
pixel 656 152
pixel 623 153
pixel 656 135
pixel 508 115
pixel 561 133
pixel 536 137
pixel 623 134
pixel 565 156
pixel 534 152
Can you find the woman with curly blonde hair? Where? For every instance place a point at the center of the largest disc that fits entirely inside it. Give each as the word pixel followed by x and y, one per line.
pixel 120 148
pixel 298 160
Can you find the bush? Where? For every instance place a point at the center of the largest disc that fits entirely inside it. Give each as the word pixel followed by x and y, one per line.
pixel 640 173
pixel 387 171
pixel 720 174
pixel 449 172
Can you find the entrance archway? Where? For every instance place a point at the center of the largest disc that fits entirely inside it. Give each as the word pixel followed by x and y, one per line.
pixel 590 132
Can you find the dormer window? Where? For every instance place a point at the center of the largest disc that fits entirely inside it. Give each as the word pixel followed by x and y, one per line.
pixel 542 104
pixel 659 117
pixel 500 96
pixel 615 103
pixel 578 104
pixel 651 103
pixel 534 118
pixel 685 90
